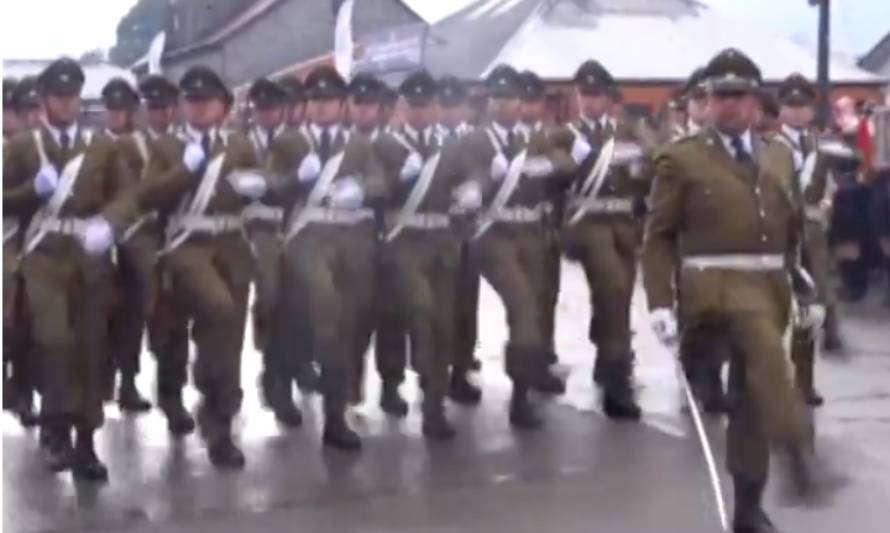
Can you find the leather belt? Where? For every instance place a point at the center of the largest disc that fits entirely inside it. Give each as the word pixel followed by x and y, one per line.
pixel 611 206
pixel 742 262
pixel 263 213
pixel 211 224
pixel 344 217
pixel 523 215
pixel 74 227
pixel 427 221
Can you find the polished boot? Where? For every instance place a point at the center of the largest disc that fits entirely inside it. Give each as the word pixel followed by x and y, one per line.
pixel 57 450
pixel 221 448
pixel 522 414
pixel 391 400
pixel 749 515
pixel 544 381
pixel 281 401
pixel 86 465
pixel 23 408
pixel 462 391
pixel 832 341
pixel 435 424
pixel 618 398
pixel 128 397
pixel 804 363
pixel 338 434
pixel 179 420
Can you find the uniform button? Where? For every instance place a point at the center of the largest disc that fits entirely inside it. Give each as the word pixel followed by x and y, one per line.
pixel 762 213
pixel 763 238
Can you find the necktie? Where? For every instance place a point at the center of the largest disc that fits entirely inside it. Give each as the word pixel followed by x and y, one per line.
pixel 270 136
pixel 741 154
pixel 324 145
pixel 804 149
pixel 205 144
pixel 510 149
pixel 421 142
pixel 64 144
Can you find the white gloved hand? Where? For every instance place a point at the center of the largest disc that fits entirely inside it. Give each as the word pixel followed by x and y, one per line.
pixel 468 196
pixel 249 185
pixel 664 324
pixel 412 167
pixel 811 316
pixel 98 237
pixel 499 166
pixel 310 168
pixel 193 156
pixel 537 167
pixel 46 181
pixel 347 193
pixel 580 149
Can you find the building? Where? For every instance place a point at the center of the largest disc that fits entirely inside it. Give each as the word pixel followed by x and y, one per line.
pixel 877 60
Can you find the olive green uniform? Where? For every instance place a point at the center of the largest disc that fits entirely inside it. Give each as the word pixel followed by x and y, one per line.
pixel 707 205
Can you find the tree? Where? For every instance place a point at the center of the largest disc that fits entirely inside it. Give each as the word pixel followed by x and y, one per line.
pixel 138 27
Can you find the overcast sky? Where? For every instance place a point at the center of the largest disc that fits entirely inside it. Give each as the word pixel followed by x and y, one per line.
pixel 49 28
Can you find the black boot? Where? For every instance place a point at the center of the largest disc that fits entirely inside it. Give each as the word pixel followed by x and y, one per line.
pixel 281 400
pixel 832 341
pixel 749 514
pixel 23 407
pixel 179 420
pixel 522 414
pixel 618 396
pixel 338 434
pixel 58 454
pixel 462 391
pixel 436 425
pixel 547 383
pixel 221 449
pixel 307 379
pixel 128 397
pixel 391 400
pixel 86 465
pixel 710 391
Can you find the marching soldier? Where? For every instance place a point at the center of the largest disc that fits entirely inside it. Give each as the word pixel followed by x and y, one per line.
pixel 67 183
pixel 202 179
pixel 389 97
pixel 724 222
pixel 330 237
pixel 296 101
pixel 264 222
pixel 135 259
pixel 510 243
pixel 452 115
pixel 603 232
pixel 696 102
pixel 797 96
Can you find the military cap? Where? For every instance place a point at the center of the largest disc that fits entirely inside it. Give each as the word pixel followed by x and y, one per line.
pixel 731 71
pixel 593 78
pixel 158 91
pixel 9 86
pixel 62 77
pixel 325 82
pixel 119 95
pixel 797 90
pixel 452 91
pixel 26 94
pixel 419 88
pixel 365 89
pixel 200 82
pixel 296 91
pixel 695 85
pixel 533 88
pixel 504 82
pixel 265 93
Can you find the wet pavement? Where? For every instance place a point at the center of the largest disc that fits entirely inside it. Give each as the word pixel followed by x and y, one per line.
pixel 582 473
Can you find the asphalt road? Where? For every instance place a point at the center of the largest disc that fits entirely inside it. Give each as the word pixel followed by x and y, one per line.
pixel 582 473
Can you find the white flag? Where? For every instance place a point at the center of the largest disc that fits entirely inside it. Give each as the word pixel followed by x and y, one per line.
pixel 343 45
pixel 155 52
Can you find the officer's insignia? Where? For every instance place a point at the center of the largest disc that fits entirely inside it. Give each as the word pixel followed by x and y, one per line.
pixel 199 82
pixel 590 79
pixel 63 77
pixel 418 89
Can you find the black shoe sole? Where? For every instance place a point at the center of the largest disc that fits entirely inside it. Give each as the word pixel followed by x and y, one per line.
pixel 339 444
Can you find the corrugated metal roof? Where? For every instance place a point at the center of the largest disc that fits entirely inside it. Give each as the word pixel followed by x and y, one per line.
pixel 634 39
pixel 96 74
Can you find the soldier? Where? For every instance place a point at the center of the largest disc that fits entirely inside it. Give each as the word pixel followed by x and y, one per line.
pixel 11 123
pixel 26 103
pixel 382 319
pixel 603 232
pixel 696 102
pixel 67 270
pixel 452 98
pixel 135 270
pixel 264 222
pixel 389 97
pixel 202 178
pixel 724 219
pixel 330 237
pixel 510 243
pixel 296 101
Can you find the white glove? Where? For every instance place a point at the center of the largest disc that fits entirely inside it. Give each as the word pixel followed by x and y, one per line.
pixel 412 167
pixel 310 168
pixel 46 181
pixel 580 149
pixel 537 167
pixel 499 166
pixel 347 193
pixel 193 156
pixel 468 196
pixel 664 324
pixel 249 184
pixel 98 236
pixel 811 316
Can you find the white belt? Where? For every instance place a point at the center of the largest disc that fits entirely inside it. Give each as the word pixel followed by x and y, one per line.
pixel 75 227
pixel 623 206
pixel 427 221
pixel 815 213
pixel 263 212
pixel 523 214
pixel 751 262
pixel 10 228
pixel 346 217
pixel 213 225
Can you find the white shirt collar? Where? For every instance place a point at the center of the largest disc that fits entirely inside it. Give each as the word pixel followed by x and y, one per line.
pixel 415 134
pixel 195 135
pixel 746 138
pixel 605 121
pixel 502 132
pixel 317 130
pixel 794 135
pixel 57 133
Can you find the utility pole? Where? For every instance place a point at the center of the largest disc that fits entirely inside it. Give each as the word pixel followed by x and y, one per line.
pixel 823 111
